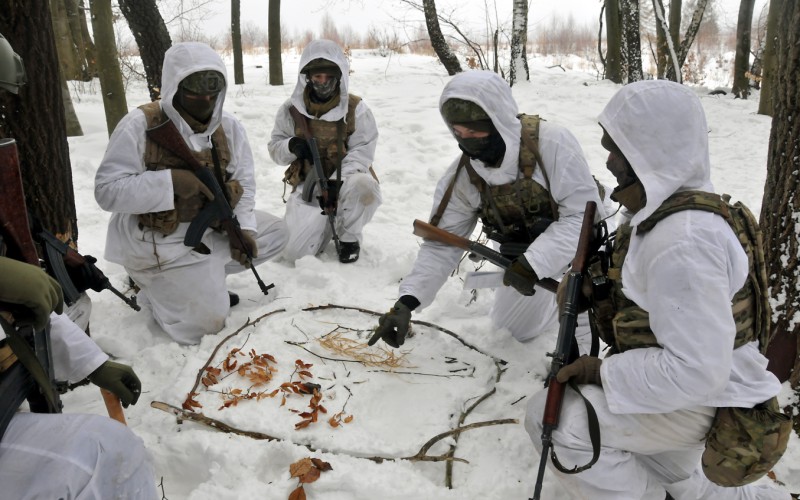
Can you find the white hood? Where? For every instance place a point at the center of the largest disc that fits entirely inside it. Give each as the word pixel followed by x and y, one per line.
pixel 489 91
pixel 180 61
pixel 661 129
pixel 323 49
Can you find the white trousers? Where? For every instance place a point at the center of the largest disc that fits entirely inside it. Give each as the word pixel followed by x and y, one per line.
pixel 642 455
pixel 188 297
pixel 309 230
pixel 73 456
pixel 529 317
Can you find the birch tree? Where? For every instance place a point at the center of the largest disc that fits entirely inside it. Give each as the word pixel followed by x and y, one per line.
pixel 519 42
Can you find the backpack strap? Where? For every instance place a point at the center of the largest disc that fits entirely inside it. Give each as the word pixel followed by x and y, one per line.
pixel 530 138
pixel 437 217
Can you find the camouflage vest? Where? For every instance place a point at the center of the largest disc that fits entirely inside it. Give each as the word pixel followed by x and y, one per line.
pixel 331 140
pixel 517 212
pixel 624 325
pixel 158 158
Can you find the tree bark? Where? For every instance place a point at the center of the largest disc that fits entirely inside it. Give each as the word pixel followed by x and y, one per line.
pixel 769 57
pixel 274 36
pixel 236 42
pixel 519 42
pixel 438 42
pixel 780 207
pixel 151 36
pixel 613 41
pixel 114 101
pixel 631 33
pixel 72 123
pixel 35 117
pixel 662 47
pixel 688 40
pixel 741 63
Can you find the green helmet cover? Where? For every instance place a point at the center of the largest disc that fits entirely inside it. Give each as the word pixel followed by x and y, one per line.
pixel 12 71
pixel 321 65
pixel 204 82
pixel 462 111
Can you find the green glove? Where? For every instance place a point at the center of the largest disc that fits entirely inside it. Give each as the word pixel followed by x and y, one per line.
pixel 521 276
pixel 584 370
pixel 238 252
pixel 30 287
pixel 119 379
pixel 393 326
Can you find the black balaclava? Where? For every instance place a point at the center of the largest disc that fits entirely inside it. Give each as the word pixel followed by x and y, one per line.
pixel 489 149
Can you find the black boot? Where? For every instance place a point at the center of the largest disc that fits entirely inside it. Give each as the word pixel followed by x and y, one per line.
pixel 234 298
pixel 348 251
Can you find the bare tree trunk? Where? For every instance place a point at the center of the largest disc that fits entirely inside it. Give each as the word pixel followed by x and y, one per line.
pixel 114 102
pixel 770 58
pixel 439 44
pixel 613 41
pixel 631 33
pixel 780 206
pixel 236 42
pixel 35 117
pixel 688 40
pixel 675 7
pixel 73 125
pixel 519 42
pixel 662 48
pixel 741 63
pixel 274 35
pixel 151 36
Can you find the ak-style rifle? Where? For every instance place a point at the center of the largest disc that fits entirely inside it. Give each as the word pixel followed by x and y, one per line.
pixel 168 137
pixel 433 233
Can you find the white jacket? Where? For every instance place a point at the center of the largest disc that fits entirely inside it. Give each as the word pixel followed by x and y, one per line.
pixel 684 272
pixel 360 145
pixel 571 186
pixel 123 184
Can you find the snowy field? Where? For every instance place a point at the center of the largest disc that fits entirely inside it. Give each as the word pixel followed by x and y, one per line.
pixel 382 404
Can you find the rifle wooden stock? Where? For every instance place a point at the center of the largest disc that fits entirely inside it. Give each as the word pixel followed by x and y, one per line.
pixel 433 233
pixel 168 137
pixel 14 222
pixel 113 406
pixel 566 333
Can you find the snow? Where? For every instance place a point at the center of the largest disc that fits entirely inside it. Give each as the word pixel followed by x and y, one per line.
pixel 437 375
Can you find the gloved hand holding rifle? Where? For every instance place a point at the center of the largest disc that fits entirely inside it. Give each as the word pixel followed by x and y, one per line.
pixel 243 247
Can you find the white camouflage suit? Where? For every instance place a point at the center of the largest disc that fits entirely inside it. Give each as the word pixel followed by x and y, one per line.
pixel 656 404
pixel 571 186
pixel 78 456
pixel 360 194
pixel 185 289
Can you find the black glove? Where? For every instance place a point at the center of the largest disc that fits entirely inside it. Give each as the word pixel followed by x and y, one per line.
pixel 521 276
pixel 87 275
pixel 394 325
pixel 300 148
pixel 584 370
pixel 119 379
pixel 329 206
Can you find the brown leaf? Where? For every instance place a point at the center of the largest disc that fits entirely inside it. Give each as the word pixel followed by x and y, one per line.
pixel 348 419
pixel 302 425
pixel 321 464
pixel 301 467
pixel 298 494
pixel 310 476
pixel 332 422
pixel 213 371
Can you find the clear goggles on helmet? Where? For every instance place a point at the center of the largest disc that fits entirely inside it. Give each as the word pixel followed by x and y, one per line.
pixel 204 83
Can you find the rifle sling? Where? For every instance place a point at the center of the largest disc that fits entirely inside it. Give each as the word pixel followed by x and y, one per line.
pixel 594 435
pixel 32 363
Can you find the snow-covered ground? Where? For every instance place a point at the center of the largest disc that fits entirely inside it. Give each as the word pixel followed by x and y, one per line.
pixel 396 403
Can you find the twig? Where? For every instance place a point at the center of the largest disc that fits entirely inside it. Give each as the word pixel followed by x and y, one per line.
pixel 557 66
pixel 420 373
pixel 418 322
pixel 216 349
pixel 298 344
pixel 420 456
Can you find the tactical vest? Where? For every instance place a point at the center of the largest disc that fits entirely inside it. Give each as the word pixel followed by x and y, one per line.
pixel 623 325
pixel 516 212
pixel 331 139
pixel 158 158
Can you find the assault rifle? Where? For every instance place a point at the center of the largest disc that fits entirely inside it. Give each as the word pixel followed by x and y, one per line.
pixel 59 256
pixel 328 209
pixel 167 136
pixel 564 347
pixel 433 233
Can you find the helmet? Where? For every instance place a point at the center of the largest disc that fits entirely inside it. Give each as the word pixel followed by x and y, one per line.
pixel 204 82
pixel 462 111
pixel 12 72
pixel 321 65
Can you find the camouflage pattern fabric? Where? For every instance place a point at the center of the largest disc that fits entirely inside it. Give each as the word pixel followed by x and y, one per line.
pixel 743 444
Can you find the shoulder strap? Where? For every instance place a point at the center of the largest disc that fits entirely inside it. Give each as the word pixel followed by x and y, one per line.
pixel 437 217
pixel 530 138
pixel 686 200
pixel 301 120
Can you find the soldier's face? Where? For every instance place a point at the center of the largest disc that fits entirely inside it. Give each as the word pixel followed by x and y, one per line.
pixel 617 164
pixel 199 106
